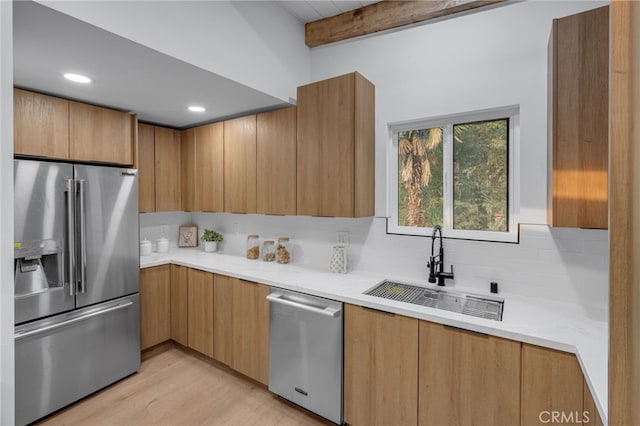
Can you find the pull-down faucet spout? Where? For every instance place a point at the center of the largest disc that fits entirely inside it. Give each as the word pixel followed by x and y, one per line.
pixel 436 267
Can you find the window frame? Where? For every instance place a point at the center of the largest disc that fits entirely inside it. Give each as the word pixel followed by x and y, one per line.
pixel 446 122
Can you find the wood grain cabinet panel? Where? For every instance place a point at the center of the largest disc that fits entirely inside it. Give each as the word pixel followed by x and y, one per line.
pixel 188 168
pixel 209 172
pixel 591 416
pixel 467 378
pixel 223 319
pixel 101 135
pixel 551 381
pixel 167 169
pixel 380 368
pixel 335 147
pixel 240 165
pixel 179 305
pixel 200 315
pixel 276 162
pixel 250 323
pixel 40 125
pixel 155 308
pixel 146 168
pixel 579 58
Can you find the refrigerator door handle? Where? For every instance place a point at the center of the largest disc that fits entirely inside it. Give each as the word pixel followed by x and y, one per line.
pixel 70 189
pixel 82 240
pixel 25 334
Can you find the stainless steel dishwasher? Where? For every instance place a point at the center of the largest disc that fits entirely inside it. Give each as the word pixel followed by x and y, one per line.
pixel 305 351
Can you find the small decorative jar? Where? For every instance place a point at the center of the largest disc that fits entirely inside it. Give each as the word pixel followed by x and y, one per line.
pixel 283 250
pixel 253 246
pixel 268 251
pixel 338 263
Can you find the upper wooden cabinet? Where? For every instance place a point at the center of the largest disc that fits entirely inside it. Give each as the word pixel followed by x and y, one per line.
pixel 154 306
pixel 380 368
pixel 100 135
pixel 40 125
pixel 467 378
pixel 240 165
pixel 578 163
pixel 146 168
pixel 209 190
pixel 188 168
pixel 335 147
pixel 50 127
pixel 276 162
pixel 204 151
pixel 167 169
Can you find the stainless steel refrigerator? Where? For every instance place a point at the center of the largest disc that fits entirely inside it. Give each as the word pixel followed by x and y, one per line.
pixel 76 282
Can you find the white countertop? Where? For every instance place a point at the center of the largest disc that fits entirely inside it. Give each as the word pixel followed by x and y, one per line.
pixel 540 322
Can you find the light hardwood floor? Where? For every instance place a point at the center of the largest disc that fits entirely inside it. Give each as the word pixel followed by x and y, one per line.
pixel 177 387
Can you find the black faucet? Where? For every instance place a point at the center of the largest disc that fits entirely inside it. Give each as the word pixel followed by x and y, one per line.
pixel 436 267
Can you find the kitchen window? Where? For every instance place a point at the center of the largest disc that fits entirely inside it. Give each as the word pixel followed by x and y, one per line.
pixel 457 172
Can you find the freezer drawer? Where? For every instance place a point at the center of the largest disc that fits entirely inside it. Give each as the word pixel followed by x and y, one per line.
pixel 67 357
pixel 305 351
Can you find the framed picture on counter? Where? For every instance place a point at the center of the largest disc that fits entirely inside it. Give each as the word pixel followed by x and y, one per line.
pixel 188 236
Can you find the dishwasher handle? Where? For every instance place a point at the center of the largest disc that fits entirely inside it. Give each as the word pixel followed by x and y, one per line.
pixel 327 311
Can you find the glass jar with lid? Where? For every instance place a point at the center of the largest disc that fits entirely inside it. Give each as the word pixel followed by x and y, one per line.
pixel 283 250
pixel 268 251
pixel 253 246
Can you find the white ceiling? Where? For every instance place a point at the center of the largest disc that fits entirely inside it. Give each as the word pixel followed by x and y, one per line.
pixel 308 11
pixel 132 77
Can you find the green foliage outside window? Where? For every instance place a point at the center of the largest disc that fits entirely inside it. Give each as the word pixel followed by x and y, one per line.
pixel 480 176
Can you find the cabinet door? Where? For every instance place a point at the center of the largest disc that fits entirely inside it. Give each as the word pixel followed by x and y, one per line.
pixel 179 305
pixel 188 168
pixel 467 378
pixel 591 417
pixel 223 319
pixel 250 324
pixel 380 368
pixel 551 381
pixel 240 165
pixel 100 135
pixel 146 168
pixel 580 114
pixel 167 155
pixel 40 125
pixel 200 296
pixel 154 306
pixel 326 147
pixel 209 189
pixel 276 162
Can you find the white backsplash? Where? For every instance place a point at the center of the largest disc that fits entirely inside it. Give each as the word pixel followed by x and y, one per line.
pixel 562 264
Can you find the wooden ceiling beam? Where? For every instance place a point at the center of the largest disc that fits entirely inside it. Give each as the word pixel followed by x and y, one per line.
pixel 382 16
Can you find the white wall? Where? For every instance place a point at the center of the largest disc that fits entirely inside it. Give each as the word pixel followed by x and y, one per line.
pixel 6 214
pixel 257 44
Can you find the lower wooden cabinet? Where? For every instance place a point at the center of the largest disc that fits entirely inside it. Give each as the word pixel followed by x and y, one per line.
pixel 155 296
pixel 380 368
pixel 200 311
pixel 179 305
pixel 590 409
pixel 241 326
pixel 467 378
pixel 552 382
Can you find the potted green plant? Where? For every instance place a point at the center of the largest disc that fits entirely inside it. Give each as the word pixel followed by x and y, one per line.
pixel 211 239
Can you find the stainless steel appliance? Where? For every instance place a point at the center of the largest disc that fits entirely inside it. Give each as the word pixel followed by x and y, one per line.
pixel 305 351
pixel 76 282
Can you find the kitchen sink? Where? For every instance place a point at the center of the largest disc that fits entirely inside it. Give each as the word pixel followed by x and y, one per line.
pixel 448 300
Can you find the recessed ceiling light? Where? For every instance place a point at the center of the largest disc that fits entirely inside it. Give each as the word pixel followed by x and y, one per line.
pixel 194 108
pixel 77 78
